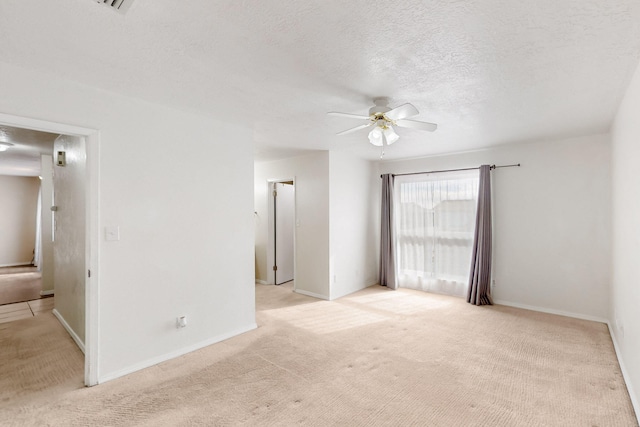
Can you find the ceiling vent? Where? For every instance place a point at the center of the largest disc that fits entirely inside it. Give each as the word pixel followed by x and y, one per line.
pixel 119 5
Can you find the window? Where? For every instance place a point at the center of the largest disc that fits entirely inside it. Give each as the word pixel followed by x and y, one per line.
pixel 435 223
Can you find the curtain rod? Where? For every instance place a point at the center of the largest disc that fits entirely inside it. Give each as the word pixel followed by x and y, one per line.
pixel 455 170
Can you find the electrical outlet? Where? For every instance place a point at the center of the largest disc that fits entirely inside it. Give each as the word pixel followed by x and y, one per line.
pixel 493 284
pixel 181 322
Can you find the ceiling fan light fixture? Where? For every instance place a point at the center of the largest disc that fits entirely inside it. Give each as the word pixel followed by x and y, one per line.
pixel 382 121
pixel 375 137
pixel 4 146
pixel 390 135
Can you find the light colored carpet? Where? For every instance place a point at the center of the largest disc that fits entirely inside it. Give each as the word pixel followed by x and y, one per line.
pixel 19 284
pixel 38 360
pixel 18 269
pixel 376 357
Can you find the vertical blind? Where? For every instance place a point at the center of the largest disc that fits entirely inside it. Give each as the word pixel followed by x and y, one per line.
pixel 435 225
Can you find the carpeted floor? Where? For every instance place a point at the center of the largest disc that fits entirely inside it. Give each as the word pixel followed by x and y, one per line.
pixel 18 269
pixel 19 284
pixel 39 360
pixel 376 357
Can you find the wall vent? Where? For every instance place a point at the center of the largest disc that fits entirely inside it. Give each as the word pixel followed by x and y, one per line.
pixel 119 5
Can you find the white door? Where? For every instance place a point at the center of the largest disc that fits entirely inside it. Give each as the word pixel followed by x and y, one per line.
pixel 284 212
pixel 69 178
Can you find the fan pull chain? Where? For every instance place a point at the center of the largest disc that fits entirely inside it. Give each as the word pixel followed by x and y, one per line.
pixel 382 152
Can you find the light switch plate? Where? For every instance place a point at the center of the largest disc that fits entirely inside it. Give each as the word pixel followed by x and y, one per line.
pixel 112 234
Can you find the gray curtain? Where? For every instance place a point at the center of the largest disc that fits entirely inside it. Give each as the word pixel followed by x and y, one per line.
pixel 479 292
pixel 387 274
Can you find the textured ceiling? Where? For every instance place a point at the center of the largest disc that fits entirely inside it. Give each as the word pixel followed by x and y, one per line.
pixel 488 72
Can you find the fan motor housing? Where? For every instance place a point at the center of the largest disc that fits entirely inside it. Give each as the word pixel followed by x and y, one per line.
pixel 381 105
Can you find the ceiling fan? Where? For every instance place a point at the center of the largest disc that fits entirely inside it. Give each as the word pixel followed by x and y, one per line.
pixel 383 119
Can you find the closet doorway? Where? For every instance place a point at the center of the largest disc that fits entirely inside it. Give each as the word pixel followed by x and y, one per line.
pixel 281 247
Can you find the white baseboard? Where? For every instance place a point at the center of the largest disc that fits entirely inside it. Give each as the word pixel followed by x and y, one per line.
pixel 73 334
pixel 625 374
pixel 551 311
pixel 172 355
pixel 311 294
pixel 261 282
pixel 19 264
pixel 46 293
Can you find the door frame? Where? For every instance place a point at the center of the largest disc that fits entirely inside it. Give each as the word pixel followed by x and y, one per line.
pixel 92 234
pixel 270 226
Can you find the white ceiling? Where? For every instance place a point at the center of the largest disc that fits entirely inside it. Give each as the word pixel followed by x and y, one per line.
pixel 23 158
pixel 488 72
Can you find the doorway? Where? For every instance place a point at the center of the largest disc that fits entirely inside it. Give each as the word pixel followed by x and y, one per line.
pixel 281 244
pixel 88 254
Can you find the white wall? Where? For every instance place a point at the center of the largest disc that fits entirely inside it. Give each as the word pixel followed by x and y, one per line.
pixel 179 186
pixel 311 173
pixel 69 244
pixel 625 286
pixel 46 197
pixel 551 222
pixel 353 223
pixel 18 202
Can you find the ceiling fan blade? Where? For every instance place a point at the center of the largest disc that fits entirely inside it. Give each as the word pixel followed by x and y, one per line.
pixel 402 112
pixel 366 125
pixel 414 124
pixel 351 116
